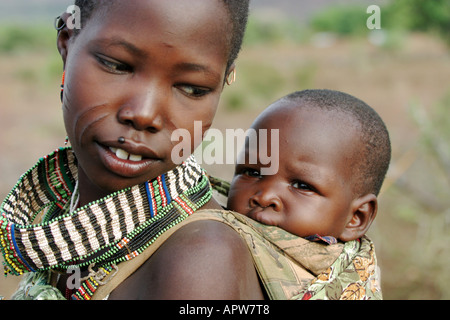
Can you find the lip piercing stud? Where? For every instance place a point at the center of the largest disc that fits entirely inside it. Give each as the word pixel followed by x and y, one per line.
pixel 121 140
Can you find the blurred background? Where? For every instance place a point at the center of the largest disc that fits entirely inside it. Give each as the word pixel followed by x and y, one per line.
pixel 402 70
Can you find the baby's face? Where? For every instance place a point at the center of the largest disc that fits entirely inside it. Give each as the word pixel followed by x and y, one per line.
pixel 311 192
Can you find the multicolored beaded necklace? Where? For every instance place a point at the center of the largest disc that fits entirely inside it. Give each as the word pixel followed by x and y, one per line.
pixel 103 233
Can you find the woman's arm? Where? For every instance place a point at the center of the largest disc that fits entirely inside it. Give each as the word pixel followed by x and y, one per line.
pixel 203 260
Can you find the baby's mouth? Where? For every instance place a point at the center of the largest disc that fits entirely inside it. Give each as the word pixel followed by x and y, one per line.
pixel 122 154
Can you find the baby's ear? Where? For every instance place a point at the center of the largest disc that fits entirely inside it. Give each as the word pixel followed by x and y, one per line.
pixel 364 211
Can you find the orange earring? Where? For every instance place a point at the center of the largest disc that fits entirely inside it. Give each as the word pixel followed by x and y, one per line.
pixel 62 85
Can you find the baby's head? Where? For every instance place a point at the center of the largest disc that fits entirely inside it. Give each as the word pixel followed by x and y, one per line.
pixel 334 152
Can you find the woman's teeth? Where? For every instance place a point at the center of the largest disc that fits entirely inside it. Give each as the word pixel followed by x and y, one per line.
pixel 122 154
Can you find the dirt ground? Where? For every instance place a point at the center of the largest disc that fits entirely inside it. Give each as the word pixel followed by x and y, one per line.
pixel 388 80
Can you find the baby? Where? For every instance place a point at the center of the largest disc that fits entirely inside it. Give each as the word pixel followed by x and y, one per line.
pixel 334 152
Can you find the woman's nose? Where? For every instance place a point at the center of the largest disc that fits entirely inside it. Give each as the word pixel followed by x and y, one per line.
pixel 265 197
pixel 144 111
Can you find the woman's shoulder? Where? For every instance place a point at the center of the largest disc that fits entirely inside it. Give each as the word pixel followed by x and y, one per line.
pixel 209 261
pixel 204 259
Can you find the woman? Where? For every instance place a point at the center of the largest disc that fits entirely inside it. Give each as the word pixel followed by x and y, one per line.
pixel 134 73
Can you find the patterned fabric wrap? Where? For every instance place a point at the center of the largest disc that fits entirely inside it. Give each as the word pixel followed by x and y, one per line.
pixel 293 268
pixel 353 276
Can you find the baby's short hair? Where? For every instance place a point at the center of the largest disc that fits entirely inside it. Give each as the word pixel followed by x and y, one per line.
pixel 372 162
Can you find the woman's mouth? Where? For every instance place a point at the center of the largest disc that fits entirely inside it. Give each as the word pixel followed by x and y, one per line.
pixel 122 154
pixel 127 163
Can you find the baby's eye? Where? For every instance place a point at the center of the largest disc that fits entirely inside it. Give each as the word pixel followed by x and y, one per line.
pixel 302 186
pixel 193 91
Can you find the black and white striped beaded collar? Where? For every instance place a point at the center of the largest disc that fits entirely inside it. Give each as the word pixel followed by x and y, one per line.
pixel 113 229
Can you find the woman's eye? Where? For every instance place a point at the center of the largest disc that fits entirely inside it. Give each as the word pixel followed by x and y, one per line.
pixel 251 173
pixel 114 66
pixel 193 91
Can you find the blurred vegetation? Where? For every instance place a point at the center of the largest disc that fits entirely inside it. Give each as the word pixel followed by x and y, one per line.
pixel 398 18
pixel 420 208
pixel 263 30
pixel 407 15
pixel 15 38
pixel 341 20
pixel 418 15
pixel 37 40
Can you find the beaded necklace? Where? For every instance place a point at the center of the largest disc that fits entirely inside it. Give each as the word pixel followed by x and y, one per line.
pixel 103 233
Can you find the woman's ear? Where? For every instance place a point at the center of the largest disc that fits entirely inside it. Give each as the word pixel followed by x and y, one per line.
pixel 230 76
pixel 64 36
pixel 364 210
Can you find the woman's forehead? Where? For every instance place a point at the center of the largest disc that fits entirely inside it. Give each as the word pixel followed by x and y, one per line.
pixel 173 16
pixel 192 24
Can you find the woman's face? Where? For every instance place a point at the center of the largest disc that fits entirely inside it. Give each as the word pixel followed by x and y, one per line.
pixel 140 70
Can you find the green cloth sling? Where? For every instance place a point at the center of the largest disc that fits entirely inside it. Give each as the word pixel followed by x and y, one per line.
pixel 291 267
